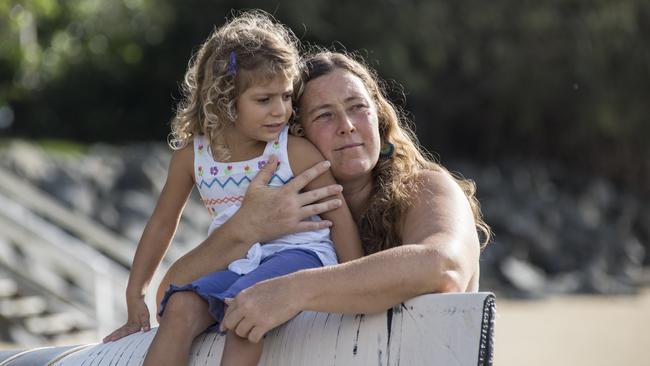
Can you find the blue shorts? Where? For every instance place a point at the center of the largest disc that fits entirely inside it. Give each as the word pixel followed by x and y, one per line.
pixel 217 286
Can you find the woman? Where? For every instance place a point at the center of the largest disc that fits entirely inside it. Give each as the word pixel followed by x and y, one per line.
pixel 418 224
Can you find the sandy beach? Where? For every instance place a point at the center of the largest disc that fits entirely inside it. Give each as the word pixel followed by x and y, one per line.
pixel 574 330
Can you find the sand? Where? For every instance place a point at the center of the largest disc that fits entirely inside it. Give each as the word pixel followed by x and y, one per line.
pixel 574 330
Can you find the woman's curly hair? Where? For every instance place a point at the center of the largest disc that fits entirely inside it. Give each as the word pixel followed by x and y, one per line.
pixel 394 189
pixel 250 48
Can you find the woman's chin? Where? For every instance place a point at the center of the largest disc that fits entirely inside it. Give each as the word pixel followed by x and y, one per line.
pixel 351 169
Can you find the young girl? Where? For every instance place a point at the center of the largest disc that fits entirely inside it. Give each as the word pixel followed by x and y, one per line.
pixel 238 100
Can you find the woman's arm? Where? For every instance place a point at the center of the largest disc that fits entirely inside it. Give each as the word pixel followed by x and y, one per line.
pixel 440 254
pixel 155 241
pixel 266 213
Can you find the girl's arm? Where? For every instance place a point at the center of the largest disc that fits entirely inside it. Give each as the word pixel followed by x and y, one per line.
pixel 345 234
pixel 267 213
pixel 440 254
pixel 155 240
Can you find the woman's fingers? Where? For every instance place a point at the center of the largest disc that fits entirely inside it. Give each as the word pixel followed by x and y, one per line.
pixel 266 173
pixel 319 208
pixel 232 316
pixel 318 194
pixel 243 328
pixel 256 334
pixel 307 176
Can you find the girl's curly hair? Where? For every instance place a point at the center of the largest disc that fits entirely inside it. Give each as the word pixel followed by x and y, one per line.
pixel 250 48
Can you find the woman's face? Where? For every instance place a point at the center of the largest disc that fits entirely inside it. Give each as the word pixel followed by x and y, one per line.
pixel 340 118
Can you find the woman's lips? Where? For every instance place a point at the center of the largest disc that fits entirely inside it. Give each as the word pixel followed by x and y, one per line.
pixel 348 146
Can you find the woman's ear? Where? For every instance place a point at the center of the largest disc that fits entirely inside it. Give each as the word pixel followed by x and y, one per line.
pixel 296 129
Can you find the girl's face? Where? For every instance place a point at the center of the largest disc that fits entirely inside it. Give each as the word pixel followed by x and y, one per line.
pixel 340 117
pixel 263 109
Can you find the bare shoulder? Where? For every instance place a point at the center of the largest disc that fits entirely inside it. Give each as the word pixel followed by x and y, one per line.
pixel 182 160
pixel 441 218
pixel 439 208
pixel 302 154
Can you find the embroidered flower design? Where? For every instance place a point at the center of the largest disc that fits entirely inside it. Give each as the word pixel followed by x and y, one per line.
pixel 276 144
pixel 260 164
pixel 247 169
pixel 200 171
pixel 214 170
pixel 200 148
pixel 228 170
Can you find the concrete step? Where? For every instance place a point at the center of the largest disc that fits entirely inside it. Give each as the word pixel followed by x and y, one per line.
pixel 8 287
pixel 22 307
pixel 52 324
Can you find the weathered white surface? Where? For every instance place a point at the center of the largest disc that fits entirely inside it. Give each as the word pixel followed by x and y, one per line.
pixel 437 329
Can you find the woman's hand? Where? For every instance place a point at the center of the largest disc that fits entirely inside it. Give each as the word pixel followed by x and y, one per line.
pixel 260 308
pixel 268 213
pixel 138 320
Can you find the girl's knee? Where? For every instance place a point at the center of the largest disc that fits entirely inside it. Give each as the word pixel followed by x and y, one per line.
pixel 185 306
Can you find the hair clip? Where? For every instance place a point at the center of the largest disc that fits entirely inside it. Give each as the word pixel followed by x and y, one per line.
pixel 232 64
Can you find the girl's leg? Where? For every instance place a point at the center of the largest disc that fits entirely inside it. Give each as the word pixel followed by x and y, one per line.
pixel 186 316
pixel 240 351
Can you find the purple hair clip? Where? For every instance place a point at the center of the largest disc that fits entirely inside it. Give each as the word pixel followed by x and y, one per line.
pixel 232 64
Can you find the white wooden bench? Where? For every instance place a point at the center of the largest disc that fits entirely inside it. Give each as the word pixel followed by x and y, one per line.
pixel 436 329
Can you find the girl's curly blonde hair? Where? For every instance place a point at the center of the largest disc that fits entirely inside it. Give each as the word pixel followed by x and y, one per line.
pixel 250 48
pixel 394 178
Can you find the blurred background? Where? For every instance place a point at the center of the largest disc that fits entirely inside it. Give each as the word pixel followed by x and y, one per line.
pixel 543 103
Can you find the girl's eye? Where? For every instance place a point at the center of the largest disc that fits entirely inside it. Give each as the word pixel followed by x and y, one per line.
pixel 358 107
pixel 263 100
pixel 286 97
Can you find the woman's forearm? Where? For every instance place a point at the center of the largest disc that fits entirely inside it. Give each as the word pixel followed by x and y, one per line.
pixel 226 244
pixel 377 282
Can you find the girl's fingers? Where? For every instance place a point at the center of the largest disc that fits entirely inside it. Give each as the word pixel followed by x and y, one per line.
pixel 307 176
pixel 144 322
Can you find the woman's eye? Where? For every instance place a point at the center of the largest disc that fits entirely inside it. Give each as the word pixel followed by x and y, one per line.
pixel 323 116
pixel 263 100
pixel 286 97
pixel 358 107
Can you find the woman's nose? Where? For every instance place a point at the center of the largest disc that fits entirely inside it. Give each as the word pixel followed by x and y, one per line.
pixel 346 125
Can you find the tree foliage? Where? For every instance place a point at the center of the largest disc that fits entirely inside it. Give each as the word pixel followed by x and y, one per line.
pixel 563 79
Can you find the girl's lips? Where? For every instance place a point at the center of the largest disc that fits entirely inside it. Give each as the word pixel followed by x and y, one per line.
pixel 348 146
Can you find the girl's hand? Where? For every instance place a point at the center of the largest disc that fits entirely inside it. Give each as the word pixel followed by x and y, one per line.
pixel 138 320
pixel 268 213
pixel 260 308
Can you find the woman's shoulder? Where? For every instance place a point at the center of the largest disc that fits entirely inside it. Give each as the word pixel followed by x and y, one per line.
pixel 440 202
pixel 436 182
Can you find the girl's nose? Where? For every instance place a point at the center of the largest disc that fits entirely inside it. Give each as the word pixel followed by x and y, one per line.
pixel 280 108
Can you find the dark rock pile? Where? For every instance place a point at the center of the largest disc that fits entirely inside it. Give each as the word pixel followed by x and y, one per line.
pixel 556 231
